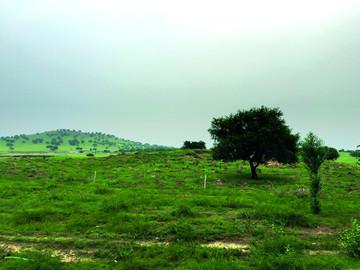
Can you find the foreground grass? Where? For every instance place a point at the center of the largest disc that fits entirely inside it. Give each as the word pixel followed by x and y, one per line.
pixel 151 210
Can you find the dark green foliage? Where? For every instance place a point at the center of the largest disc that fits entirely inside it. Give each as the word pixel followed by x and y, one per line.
pixel 331 153
pixel 183 211
pixel 355 153
pixel 315 205
pixel 194 145
pixel 313 154
pixel 257 135
pixel 38 140
pixel 74 142
pixel 315 186
pixel 52 147
pixel 350 239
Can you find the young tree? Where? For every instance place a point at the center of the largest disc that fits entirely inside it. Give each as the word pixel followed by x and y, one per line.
pixel 313 154
pixel 256 135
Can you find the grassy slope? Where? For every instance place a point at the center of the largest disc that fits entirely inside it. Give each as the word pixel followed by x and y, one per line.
pixel 150 210
pixel 86 139
pixel 346 158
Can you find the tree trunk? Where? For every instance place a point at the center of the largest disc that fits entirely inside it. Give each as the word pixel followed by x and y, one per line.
pixel 253 170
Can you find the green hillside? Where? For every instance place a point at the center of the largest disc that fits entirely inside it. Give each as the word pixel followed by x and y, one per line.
pixel 65 140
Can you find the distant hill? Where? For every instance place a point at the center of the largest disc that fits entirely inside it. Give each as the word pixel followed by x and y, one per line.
pixel 66 140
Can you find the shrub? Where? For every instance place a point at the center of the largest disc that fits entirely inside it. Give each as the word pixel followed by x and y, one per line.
pixel 331 153
pixel 183 211
pixel 350 239
pixel 194 145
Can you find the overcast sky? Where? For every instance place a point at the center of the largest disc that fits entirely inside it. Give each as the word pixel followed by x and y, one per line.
pixel 158 72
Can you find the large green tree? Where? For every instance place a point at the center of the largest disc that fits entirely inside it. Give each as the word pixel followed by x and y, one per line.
pixel 257 135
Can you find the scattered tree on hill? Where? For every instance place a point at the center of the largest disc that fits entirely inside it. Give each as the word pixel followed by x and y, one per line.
pixel 25 137
pixel 313 154
pixel 73 142
pixel 38 140
pixel 355 153
pixel 52 147
pixel 257 135
pixel 9 144
pixel 194 145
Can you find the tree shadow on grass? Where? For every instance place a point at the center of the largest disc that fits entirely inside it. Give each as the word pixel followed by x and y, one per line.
pixel 265 179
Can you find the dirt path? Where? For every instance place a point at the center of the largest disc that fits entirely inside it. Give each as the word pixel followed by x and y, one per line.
pixel 68 254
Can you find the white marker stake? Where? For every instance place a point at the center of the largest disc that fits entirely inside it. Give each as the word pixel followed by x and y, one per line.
pixel 94 176
pixel 205 181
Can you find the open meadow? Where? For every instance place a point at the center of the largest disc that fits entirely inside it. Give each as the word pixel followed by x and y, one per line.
pixel 155 211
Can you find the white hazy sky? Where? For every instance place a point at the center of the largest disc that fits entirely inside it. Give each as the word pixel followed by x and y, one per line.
pixel 159 71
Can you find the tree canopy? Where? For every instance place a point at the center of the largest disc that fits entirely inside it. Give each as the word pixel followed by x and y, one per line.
pixel 257 135
pixel 194 145
pixel 331 153
pixel 313 153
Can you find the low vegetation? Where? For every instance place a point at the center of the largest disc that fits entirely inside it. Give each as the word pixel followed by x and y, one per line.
pixel 155 211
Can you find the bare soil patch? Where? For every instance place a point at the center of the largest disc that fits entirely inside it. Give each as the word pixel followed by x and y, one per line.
pixel 219 244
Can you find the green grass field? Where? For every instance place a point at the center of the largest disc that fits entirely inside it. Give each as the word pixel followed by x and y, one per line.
pixel 346 158
pixel 153 211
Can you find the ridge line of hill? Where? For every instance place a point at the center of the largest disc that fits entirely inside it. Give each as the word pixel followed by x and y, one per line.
pixel 75 141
